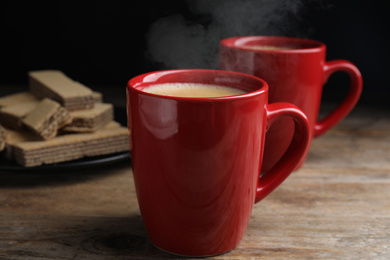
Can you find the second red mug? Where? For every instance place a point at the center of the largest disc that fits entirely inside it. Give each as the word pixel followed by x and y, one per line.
pixel 296 71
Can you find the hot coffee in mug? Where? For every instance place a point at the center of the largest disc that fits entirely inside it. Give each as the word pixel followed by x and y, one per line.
pixel 196 160
pixel 296 71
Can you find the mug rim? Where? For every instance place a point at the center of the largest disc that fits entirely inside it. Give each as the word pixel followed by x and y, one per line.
pixel 307 45
pixel 138 82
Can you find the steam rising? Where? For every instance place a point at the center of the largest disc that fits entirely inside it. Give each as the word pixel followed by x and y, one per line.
pixel 175 42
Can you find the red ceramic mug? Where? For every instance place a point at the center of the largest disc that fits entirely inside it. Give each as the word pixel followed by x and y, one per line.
pixel 296 71
pixel 196 160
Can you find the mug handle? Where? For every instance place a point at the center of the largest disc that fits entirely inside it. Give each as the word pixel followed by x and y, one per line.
pixel 295 152
pixel 349 102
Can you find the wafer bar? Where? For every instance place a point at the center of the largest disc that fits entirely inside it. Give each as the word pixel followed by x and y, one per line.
pixel 47 118
pixel 11 116
pixel 17 98
pixel 90 120
pixel 72 146
pixel 17 136
pixel 56 85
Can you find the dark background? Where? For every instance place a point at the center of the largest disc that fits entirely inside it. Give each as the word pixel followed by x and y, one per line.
pixel 102 43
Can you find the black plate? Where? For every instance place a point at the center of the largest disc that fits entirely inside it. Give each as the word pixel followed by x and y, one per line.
pixel 86 162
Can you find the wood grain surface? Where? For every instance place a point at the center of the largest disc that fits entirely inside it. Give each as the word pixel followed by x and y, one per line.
pixel 337 206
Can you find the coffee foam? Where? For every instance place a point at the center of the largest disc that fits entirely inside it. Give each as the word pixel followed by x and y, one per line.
pixel 266 47
pixel 193 90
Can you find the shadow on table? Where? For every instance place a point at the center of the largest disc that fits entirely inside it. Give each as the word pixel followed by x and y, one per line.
pixel 125 238
pixel 73 237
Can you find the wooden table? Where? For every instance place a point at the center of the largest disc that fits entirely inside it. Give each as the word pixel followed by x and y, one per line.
pixel 337 206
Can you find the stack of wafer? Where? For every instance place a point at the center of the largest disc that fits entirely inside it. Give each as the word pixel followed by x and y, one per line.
pixel 56 121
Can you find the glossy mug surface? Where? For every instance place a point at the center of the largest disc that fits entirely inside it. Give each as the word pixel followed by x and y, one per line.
pixel 196 160
pixel 296 71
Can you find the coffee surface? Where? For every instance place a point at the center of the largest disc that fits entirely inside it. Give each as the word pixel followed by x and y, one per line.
pixel 193 90
pixel 267 47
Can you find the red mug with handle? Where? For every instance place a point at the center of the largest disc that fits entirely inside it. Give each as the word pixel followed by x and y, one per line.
pixel 296 71
pixel 196 160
